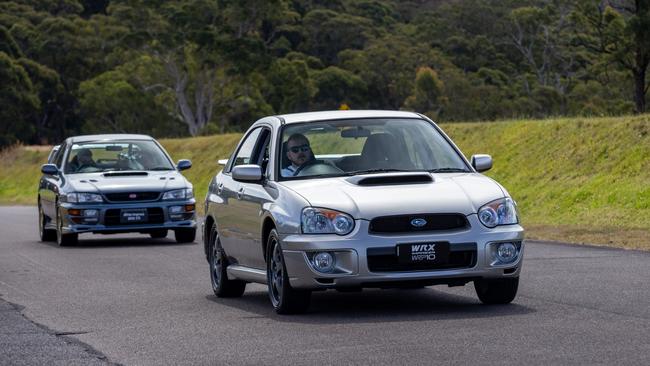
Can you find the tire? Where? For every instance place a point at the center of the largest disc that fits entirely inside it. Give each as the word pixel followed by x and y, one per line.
pixel 43 233
pixel 64 240
pixel 158 234
pixel 284 298
pixel 221 285
pixel 497 291
pixel 185 235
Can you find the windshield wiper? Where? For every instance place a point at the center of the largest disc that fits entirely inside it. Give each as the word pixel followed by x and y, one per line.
pixel 161 168
pixel 449 170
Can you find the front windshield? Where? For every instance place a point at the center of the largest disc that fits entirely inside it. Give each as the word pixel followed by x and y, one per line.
pixel 106 156
pixel 360 146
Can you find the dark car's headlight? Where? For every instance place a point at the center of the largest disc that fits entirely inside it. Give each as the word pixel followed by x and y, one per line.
pixel 78 197
pixel 325 221
pixel 500 212
pixel 178 194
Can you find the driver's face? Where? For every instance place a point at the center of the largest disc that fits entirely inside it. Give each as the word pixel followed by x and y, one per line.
pixel 298 151
pixel 85 158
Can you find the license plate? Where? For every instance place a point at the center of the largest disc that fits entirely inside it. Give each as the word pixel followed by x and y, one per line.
pixel 133 216
pixel 429 253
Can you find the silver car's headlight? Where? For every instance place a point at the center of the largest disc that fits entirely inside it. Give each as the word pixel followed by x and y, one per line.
pixel 77 197
pixel 500 212
pixel 178 194
pixel 325 221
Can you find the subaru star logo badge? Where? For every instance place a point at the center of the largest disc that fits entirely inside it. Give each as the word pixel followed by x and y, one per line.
pixel 418 222
pixel 132 195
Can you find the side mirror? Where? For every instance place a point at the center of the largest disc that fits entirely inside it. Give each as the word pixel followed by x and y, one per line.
pixel 482 162
pixel 183 164
pixel 49 169
pixel 247 173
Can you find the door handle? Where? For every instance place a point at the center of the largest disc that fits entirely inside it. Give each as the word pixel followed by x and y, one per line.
pixel 240 193
pixel 219 188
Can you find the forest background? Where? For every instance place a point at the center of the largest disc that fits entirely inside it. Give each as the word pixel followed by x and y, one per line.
pixel 187 68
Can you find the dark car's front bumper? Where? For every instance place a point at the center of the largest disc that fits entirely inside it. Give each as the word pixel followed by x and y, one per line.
pixel 109 217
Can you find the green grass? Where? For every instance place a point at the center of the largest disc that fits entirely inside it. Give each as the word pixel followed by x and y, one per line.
pixel 581 179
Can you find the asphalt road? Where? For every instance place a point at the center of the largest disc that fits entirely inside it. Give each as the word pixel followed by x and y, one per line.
pixel 140 301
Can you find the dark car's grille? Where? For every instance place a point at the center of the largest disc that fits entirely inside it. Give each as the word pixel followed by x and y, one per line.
pixel 385 259
pixel 155 215
pixel 403 223
pixel 132 196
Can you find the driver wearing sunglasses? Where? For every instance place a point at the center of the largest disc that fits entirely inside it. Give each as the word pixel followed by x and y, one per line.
pixel 298 152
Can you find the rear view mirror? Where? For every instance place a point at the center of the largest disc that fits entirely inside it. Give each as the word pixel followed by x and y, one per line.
pixel 355 132
pixel 183 164
pixel 482 162
pixel 49 169
pixel 114 148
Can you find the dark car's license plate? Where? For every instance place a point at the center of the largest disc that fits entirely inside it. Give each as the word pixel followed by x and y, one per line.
pixel 133 216
pixel 430 253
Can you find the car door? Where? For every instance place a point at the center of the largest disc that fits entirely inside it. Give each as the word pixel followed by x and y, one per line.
pixel 228 213
pixel 251 198
pixel 49 184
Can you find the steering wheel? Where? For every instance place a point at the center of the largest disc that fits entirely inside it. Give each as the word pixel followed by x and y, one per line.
pixel 306 164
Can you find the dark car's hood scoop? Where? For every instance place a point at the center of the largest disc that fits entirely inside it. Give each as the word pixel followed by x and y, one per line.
pixel 125 174
pixel 392 179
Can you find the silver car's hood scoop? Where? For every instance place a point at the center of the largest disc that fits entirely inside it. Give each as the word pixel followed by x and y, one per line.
pixel 391 179
pixel 125 174
pixel 460 193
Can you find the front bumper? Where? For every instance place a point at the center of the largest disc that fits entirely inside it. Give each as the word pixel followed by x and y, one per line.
pixel 108 221
pixel 354 250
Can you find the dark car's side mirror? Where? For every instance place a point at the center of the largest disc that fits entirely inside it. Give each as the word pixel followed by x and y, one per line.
pixel 247 173
pixel 183 164
pixel 49 169
pixel 482 162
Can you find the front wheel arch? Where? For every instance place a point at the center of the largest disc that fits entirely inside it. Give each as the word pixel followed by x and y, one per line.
pixel 267 226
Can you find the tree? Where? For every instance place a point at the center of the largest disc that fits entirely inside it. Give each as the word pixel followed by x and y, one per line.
pixel 18 99
pixel 619 31
pixel 428 93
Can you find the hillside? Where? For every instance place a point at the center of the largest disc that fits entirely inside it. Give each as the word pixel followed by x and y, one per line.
pixel 581 180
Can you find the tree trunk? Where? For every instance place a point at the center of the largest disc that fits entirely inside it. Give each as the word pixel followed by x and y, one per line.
pixel 639 89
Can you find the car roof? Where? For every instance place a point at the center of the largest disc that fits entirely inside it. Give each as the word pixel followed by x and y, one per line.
pixel 349 114
pixel 108 137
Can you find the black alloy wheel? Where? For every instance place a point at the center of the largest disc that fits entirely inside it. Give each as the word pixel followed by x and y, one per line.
pixel 221 285
pixel 497 291
pixel 158 234
pixel 284 298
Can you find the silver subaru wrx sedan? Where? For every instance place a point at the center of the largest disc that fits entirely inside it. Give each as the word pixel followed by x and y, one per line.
pixel 356 199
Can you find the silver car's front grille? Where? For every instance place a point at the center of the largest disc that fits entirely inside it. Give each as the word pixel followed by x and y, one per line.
pixel 417 223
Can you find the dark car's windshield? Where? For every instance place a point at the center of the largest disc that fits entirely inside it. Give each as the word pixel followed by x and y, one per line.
pixel 348 147
pixel 116 155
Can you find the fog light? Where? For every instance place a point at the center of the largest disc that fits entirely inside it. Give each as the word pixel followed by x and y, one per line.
pixel 175 209
pixel 506 252
pixel 91 213
pixel 323 262
pixel 74 212
pixel 189 208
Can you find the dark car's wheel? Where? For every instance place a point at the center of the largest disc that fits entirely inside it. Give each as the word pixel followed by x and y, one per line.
pixel 284 298
pixel 158 234
pixel 45 234
pixel 185 235
pixel 221 285
pixel 497 291
pixel 64 240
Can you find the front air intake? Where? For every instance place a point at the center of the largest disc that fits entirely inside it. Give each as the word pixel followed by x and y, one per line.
pixel 384 180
